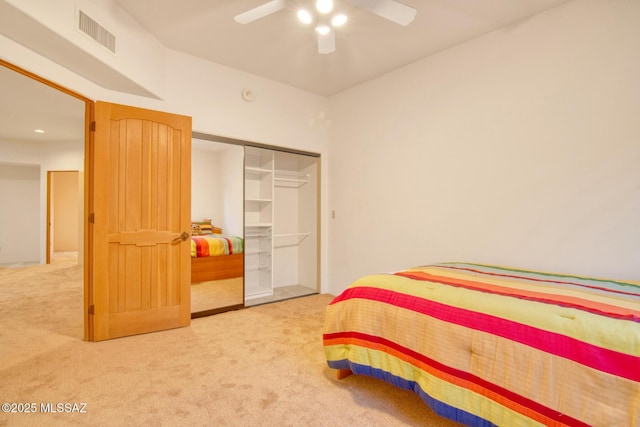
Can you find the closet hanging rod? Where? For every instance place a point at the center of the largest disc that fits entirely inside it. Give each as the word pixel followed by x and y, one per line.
pixel 291 235
pixel 280 173
pixel 278 178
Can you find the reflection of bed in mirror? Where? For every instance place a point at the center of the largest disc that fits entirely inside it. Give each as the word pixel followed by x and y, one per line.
pixel 216 256
pixel 216 268
pixel 217 262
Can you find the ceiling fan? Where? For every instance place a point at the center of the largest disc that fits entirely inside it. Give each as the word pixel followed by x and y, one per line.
pixel 326 22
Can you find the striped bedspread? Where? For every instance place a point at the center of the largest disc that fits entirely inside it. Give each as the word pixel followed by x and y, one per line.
pixel 215 245
pixel 487 345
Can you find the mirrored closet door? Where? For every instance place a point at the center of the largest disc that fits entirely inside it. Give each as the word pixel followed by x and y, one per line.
pixel 281 225
pixel 217 229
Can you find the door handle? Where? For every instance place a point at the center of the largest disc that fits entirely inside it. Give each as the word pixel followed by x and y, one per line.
pixel 182 237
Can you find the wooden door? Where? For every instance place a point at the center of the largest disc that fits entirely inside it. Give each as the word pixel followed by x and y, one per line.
pixel 141 197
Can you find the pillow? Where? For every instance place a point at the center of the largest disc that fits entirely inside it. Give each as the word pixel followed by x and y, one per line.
pixel 204 227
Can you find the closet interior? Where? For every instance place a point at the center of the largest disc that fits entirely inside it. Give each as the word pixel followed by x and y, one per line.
pixel 281 225
pixel 261 206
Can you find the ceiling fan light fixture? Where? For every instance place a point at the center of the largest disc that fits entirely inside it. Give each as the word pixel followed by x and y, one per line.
pixel 324 6
pixel 304 16
pixel 339 20
pixel 326 26
pixel 323 29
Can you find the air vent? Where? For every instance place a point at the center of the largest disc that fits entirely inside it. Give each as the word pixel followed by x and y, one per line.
pixel 96 31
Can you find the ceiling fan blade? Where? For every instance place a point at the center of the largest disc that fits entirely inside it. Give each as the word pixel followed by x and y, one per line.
pixel 388 9
pixel 327 42
pixel 256 13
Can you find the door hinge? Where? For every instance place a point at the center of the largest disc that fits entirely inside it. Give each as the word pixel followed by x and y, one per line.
pixel 92 126
pixel 92 218
pixel 91 309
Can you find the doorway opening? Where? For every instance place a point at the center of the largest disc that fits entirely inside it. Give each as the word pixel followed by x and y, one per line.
pixel 61 119
pixel 64 215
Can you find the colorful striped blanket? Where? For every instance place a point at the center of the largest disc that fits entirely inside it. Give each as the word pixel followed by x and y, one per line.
pixel 494 346
pixel 215 245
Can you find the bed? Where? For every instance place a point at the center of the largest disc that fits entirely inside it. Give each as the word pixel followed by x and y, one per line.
pixel 487 345
pixel 215 257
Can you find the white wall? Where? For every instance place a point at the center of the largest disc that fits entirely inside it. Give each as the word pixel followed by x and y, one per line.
pixel 54 156
pixel 50 28
pixel 217 186
pixel 205 186
pixel 232 174
pixel 20 214
pixel 519 148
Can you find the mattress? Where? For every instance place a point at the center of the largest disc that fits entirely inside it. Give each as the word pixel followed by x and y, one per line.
pixel 215 245
pixel 490 345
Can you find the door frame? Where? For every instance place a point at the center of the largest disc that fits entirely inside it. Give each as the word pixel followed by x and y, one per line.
pixel 88 165
pixel 48 219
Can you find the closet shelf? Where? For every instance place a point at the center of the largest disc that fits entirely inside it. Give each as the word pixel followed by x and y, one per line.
pixel 288 240
pixel 257 269
pixel 258 224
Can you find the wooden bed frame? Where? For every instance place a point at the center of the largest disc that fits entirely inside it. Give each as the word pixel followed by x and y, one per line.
pixel 204 269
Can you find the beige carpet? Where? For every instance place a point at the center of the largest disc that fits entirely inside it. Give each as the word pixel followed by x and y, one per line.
pixel 261 366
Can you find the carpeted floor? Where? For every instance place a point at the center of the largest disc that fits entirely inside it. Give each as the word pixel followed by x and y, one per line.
pixel 261 366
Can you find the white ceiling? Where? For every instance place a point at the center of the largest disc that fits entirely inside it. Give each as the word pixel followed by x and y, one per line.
pixel 280 48
pixel 26 105
pixel 276 47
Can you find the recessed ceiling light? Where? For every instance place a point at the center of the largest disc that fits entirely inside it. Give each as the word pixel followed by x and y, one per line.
pixel 38 130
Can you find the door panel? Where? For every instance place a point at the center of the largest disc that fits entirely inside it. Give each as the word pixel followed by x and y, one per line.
pixel 141 206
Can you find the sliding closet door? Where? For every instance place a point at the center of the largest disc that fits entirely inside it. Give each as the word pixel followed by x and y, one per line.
pixel 217 283
pixel 141 209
